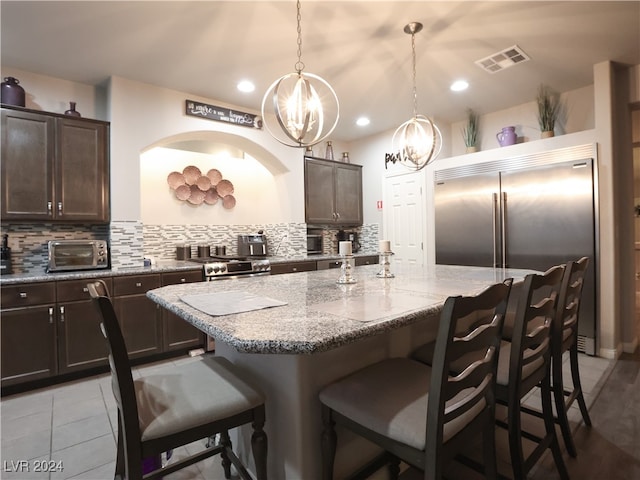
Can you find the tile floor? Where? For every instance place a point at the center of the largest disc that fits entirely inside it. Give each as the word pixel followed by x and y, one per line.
pixel 74 426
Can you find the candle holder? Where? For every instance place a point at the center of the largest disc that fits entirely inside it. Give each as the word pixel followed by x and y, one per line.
pixel 386 263
pixel 346 270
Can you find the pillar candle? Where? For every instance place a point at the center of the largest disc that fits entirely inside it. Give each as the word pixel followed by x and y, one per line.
pixel 385 246
pixel 345 248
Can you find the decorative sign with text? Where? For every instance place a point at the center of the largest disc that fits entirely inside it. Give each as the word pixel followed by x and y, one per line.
pixel 223 114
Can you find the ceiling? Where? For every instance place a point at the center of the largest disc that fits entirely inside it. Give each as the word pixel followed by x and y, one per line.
pixel 204 48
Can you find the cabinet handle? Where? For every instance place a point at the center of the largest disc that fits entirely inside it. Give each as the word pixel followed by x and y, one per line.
pixel 23 294
pixel 60 207
pixel 183 280
pixel 294 269
pixel 49 207
pixel 61 314
pixel 50 314
pixel 138 284
pixel 337 215
pixel 85 289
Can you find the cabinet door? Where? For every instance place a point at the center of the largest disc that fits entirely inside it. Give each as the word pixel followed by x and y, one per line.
pixel 348 194
pixel 81 344
pixel 319 191
pixel 28 344
pixel 139 317
pixel 178 333
pixel 82 187
pixel 28 148
pixel 140 323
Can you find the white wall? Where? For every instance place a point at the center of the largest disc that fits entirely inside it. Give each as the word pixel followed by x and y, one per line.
pixel 255 190
pixel 53 94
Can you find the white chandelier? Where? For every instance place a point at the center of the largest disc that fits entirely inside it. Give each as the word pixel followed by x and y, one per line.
pixel 417 142
pixel 300 109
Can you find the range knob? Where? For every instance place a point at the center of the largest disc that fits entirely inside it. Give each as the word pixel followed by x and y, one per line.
pixel 223 268
pixel 209 270
pixel 216 268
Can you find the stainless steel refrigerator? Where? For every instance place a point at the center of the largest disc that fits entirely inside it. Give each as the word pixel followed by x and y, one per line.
pixel 530 212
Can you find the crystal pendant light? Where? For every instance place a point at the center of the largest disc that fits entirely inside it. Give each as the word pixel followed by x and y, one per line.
pixel 300 109
pixel 418 140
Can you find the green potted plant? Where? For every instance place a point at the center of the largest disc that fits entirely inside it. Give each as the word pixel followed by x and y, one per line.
pixel 470 131
pixel 548 106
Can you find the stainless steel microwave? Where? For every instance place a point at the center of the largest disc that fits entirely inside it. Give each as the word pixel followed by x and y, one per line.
pixel 67 255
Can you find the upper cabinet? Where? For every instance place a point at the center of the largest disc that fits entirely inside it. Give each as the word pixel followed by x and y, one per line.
pixel 54 167
pixel 333 192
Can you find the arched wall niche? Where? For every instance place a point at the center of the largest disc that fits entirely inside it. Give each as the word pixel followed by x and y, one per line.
pixel 266 158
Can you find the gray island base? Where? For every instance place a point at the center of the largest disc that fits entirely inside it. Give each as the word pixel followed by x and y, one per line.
pixel 324 332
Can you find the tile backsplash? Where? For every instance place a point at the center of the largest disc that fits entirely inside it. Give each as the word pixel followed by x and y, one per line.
pixel 131 241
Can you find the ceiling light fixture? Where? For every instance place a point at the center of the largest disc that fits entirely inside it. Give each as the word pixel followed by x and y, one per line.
pixel 459 86
pixel 300 109
pixel 246 86
pixel 417 142
pixel 363 121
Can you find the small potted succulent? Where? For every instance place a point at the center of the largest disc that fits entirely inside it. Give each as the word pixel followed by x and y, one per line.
pixel 470 131
pixel 548 107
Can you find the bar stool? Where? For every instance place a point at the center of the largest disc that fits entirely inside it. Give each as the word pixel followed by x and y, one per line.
pixel 175 406
pixel 565 338
pixel 419 414
pixel 525 363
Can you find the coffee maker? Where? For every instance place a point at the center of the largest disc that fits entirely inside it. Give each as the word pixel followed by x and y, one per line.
pixel 352 237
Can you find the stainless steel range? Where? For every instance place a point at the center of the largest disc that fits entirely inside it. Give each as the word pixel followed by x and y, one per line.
pixel 227 266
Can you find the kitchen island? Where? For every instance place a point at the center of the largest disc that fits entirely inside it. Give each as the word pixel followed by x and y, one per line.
pixel 325 331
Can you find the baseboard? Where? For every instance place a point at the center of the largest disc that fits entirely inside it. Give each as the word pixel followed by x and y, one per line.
pixel 630 347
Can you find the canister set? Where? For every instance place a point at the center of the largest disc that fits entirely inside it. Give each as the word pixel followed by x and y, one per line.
pixel 183 252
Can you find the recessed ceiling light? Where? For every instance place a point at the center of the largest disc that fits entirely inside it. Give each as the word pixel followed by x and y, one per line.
pixel 246 86
pixel 363 122
pixel 459 85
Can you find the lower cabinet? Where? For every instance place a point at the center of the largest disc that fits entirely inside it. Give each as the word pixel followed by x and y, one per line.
pixel 53 328
pixel 177 333
pixel 139 317
pixel 81 344
pixel 28 333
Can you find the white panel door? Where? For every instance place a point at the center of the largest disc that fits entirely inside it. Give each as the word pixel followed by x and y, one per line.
pixel 404 217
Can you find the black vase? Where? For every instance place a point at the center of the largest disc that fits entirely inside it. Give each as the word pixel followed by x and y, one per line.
pixel 72 110
pixel 11 92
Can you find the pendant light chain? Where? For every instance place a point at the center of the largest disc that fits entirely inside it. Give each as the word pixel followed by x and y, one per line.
pixel 415 90
pixel 299 66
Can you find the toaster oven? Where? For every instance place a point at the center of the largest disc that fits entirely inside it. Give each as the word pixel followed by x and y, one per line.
pixel 65 255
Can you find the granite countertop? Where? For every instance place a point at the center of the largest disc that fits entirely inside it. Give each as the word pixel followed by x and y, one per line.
pixel 162 266
pixel 320 314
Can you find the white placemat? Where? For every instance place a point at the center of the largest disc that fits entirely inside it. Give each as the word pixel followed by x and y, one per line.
pixel 227 303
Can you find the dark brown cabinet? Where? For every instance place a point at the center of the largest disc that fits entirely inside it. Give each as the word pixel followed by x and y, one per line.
pixel 81 344
pixel 140 318
pixel 367 260
pixel 54 168
pixel 293 267
pixel 28 333
pixel 333 192
pixel 177 333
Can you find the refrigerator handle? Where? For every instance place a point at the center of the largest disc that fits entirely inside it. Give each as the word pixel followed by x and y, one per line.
pixel 494 218
pixel 503 226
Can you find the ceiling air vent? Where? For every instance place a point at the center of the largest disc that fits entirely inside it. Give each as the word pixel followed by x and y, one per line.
pixel 506 58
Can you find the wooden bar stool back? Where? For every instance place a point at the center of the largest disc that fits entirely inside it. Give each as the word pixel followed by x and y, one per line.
pixel 566 340
pixel 525 364
pixel 177 405
pixel 419 414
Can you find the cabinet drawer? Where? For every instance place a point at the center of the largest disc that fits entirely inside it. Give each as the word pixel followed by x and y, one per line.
pixel 134 284
pixel 176 278
pixel 327 264
pixel 293 267
pixel 368 260
pixel 73 290
pixel 28 294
